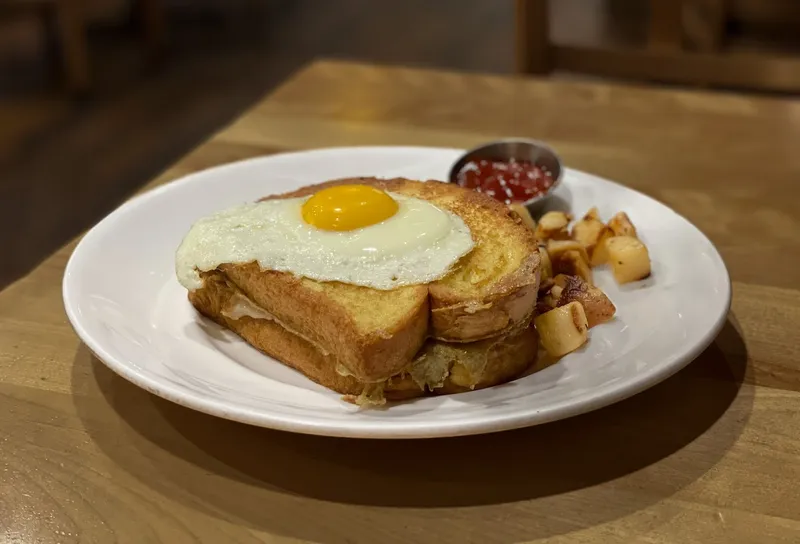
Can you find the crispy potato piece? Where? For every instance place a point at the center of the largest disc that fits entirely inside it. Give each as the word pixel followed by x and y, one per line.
pixel 562 330
pixel 572 263
pixel 545 285
pixel 546 266
pixel 600 253
pixel 557 248
pixel 570 257
pixel 622 226
pixel 596 305
pixel 629 259
pixel 553 225
pixel 524 214
pixel 588 232
pixel 549 295
pixel 593 213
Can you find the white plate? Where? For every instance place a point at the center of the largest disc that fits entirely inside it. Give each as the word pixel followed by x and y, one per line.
pixel 123 300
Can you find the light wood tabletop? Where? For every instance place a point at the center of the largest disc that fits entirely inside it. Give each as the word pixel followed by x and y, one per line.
pixel 712 455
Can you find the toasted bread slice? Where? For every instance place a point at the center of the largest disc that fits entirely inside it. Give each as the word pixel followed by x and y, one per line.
pixel 370 334
pixel 492 289
pixel 438 367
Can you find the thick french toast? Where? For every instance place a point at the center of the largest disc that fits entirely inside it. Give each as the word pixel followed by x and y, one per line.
pixel 492 289
pixel 373 334
pixel 438 367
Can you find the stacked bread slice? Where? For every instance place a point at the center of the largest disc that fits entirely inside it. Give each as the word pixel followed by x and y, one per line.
pixel 468 330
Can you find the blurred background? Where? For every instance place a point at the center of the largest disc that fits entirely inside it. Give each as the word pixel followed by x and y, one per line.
pixel 98 96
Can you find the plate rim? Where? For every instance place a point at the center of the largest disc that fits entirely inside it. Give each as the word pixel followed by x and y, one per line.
pixel 598 397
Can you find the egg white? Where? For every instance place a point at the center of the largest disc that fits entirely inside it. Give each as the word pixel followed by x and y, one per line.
pixel 418 244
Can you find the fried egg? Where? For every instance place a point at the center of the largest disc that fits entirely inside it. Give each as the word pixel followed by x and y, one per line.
pixel 354 234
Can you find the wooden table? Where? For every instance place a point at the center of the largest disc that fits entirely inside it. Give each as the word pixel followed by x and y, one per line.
pixel 712 455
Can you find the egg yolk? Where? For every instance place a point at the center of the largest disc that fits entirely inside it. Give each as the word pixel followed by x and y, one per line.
pixel 348 207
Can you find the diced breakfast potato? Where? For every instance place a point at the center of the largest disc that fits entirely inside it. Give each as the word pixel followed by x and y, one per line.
pixel 622 226
pixel 588 232
pixel 570 257
pixel 523 214
pixel 553 225
pixel 629 259
pixel 596 305
pixel 562 330
pixel 569 303
pixel 557 248
pixel 547 298
pixel 574 263
pixel 600 253
pixel 593 213
pixel 546 264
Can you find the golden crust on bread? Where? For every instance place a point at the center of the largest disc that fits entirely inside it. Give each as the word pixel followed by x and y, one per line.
pixel 366 346
pixel 493 288
pixel 453 367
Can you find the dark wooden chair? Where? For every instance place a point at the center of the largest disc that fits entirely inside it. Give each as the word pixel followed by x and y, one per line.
pixel 67 21
pixel 685 44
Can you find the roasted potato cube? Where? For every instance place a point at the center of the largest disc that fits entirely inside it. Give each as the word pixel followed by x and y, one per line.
pixel 592 214
pixel 553 225
pixel 557 248
pixel 622 226
pixel 549 294
pixel 629 259
pixel 545 285
pixel 596 305
pixel 572 263
pixel 562 329
pixel 588 232
pixel 600 253
pixel 543 306
pixel 547 264
pixel 523 214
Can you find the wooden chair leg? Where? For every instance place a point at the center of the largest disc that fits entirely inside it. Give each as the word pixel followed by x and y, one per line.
pixel 704 24
pixel 532 37
pixel 70 25
pixel 666 25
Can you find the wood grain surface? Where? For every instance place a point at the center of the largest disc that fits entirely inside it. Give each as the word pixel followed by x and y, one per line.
pixel 712 455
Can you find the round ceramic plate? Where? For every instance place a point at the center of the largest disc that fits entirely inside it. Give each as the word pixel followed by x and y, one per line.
pixel 123 300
